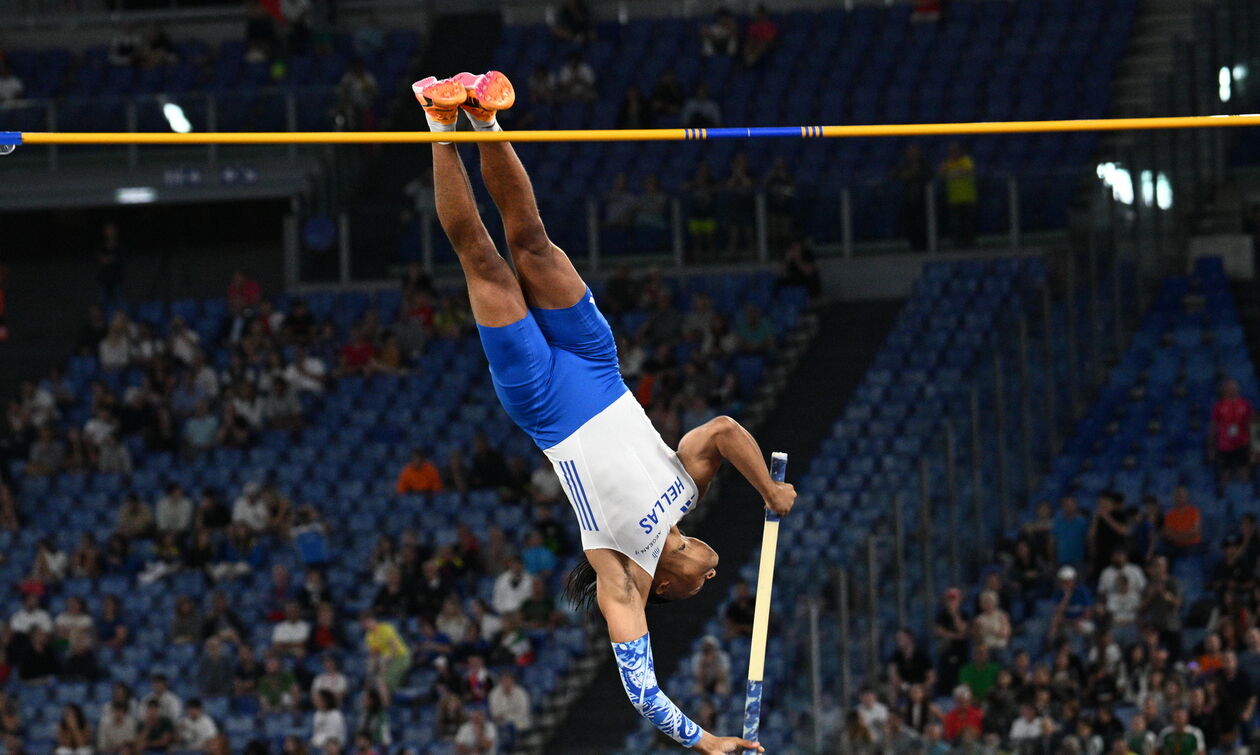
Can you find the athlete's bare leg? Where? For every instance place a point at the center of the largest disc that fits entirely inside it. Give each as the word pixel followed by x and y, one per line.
pixel 493 290
pixel 548 278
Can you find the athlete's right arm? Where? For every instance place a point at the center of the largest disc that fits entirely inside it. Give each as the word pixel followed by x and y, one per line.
pixel 621 602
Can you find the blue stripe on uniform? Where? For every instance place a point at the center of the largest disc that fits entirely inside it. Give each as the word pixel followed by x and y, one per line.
pixel 577 502
pixel 582 489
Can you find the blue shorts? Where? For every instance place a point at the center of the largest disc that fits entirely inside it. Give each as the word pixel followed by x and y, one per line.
pixel 554 369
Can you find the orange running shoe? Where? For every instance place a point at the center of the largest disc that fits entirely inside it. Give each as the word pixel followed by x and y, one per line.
pixel 487 94
pixel 440 98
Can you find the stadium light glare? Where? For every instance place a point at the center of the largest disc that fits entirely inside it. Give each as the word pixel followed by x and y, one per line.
pixel 1226 81
pixel 176 119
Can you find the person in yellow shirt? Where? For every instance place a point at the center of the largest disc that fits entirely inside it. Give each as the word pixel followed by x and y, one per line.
pixel 389 656
pixel 959 174
pixel 419 476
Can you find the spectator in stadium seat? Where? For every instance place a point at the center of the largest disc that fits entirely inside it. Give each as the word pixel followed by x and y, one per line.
pixel 11 86
pixel 326 635
pixel 135 520
pixel 201 431
pixel 250 508
pixel 156 731
pixel 74 618
pixel 700 110
pixel 169 704
pixel 1109 530
pixel 328 725
pixel 575 80
pixel 419 476
pixel 243 292
pixel 755 332
pixel 291 634
pixel 908 666
pixel 914 175
pixel 1147 530
pixel 392 599
pixel 116 730
pixel 74 733
pixel 330 679
pixel 539 611
pixel 215 670
pixel 246 675
pixel 389 657
pixel 981 674
pixel 186 624
pixel 1069 531
pixel 114 351
pixel 760 36
pixel 539 560
pixel 1120 566
pixel 511 588
pixel 277 687
pixel 952 632
pixel 1161 604
pixel 451 620
pixel 799 268
pixel 476 736
pixel 959 173
pixel 1122 602
pixel 1230 433
pixel 964 716
pixel 738 206
pixel 111 629
pixel 720 36
pixel 39 661
pixel 992 627
pixel 1183 526
pixel 509 704
pixel 49 566
pixel 711 668
pixel 872 713
pixel 174 511
pixel 80 662
pixel 46 454
pixel 196 729
pixel 86 561
pixel 1073 606
pixel 1181 738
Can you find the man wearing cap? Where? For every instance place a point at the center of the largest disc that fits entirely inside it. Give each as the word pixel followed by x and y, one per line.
pixel 1073 602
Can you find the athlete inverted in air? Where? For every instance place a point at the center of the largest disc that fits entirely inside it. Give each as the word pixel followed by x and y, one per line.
pixel 554 365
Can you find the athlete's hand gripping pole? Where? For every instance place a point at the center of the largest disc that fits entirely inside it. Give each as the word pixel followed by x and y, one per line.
pixel 761 614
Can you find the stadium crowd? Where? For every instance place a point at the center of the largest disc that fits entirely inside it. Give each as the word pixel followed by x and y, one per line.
pixel 1080 639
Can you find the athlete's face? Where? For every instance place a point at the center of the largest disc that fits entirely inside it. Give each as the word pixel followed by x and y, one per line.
pixel 686 564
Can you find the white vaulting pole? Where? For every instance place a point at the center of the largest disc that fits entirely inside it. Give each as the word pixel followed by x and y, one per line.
pixel 761 613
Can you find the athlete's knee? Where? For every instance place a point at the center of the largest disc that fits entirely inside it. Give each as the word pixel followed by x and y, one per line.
pixel 530 238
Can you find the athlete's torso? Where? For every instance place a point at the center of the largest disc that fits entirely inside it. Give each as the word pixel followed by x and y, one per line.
pixel 627 487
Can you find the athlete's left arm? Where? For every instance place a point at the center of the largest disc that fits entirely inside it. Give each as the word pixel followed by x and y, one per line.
pixel 703 450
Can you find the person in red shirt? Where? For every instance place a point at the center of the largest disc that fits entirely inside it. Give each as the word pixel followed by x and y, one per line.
pixel 1230 443
pixel 357 355
pixel 759 37
pixel 964 715
pixel 243 292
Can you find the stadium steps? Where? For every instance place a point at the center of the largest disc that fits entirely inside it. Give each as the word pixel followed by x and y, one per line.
pixel 828 371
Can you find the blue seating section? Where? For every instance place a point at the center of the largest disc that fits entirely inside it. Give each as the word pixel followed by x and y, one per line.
pixel 92 93
pixel 985 61
pixel 345 465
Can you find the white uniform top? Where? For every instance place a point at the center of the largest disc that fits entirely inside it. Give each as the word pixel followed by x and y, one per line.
pixel 626 486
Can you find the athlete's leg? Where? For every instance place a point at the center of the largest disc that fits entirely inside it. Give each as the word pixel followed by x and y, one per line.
pixel 493 290
pixel 547 276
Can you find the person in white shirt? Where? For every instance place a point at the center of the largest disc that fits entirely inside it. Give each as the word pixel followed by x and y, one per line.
pixel 330 679
pixel 169 704
pixel 182 342
pixel 544 483
pixel 575 80
pixel 250 509
pixel 327 725
pixel 509 704
pixel 99 427
pixel 204 376
pixel 174 510
pixel 30 617
pixel 1120 565
pixel 75 618
pixel 512 588
pixel 290 636
pixel 873 713
pixel 195 729
pixel 1123 603
pixel 476 736
pixel 1028 728
pixel 306 373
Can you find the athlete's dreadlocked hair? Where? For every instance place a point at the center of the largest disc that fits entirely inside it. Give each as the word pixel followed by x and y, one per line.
pixel 579 587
